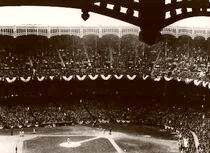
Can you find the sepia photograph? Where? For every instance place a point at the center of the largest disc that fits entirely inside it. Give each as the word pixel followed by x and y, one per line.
pixel 104 76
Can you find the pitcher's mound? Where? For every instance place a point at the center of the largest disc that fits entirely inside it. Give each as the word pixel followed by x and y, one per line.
pixel 70 144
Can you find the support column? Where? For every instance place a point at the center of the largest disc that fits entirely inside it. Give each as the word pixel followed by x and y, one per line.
pixel 152 16
pixel 193 32
pixel 100 31
pixel 81 32
pixel 14 31
pixel 119 44
pixel 48 32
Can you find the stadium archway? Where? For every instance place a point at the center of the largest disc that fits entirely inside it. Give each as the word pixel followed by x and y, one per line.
pixel 31 43
pixel 201 42
pixel 91 41
pixel 7 42
pixel 130 43
pixel 169 37
pixel 62 42
pixel 110 40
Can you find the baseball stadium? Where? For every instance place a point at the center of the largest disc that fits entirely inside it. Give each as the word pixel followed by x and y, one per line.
pixel 106 89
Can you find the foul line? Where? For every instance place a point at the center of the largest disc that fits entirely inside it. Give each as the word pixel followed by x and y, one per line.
pixel 115 145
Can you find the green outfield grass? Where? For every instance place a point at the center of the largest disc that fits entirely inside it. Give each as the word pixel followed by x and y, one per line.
pixel 51 145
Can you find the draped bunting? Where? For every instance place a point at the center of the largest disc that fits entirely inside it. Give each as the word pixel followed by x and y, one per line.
pixel 93 77
pixel 145 77
pixel 25 79
pixel 81 78
pixel 197 82
pixel 105 77
pixel 104 121
pixel 178 79
pixel 158 78
pixel 168 78
pixel 40 79
pixel 187 80
pixel 118 121
pixel 51 77
pixel 131 77
pixel 204 83
pixel 36 125
pixel 29 125
pixel 10 80
pixel 68 78
pixel 118 77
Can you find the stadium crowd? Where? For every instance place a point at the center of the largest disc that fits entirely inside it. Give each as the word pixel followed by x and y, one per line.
pixel 174 118
pixel 183 57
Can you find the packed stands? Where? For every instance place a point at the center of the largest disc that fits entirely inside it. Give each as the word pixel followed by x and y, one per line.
pixel 172 57
pixel 69 57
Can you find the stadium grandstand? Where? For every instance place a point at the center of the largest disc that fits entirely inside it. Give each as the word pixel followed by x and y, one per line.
pixel 58 80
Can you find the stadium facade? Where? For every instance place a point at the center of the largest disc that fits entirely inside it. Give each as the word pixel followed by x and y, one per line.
pixel 50 31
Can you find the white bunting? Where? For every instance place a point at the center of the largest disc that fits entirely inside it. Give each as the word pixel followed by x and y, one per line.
pixel 68 78
pixel 105 77
pixel 168 78
pixel 51 77
pixel 178 79
pixel 118 121
pixel 40 78
pixel 10 80
pixel 81 78
pixel 158 78
pixel 25 79
pixel 118 77
pixel 144 77
pixel 131 77
pixel 204 83
pixel 197 82
pixel 93 77
pixel 187 80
